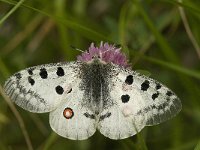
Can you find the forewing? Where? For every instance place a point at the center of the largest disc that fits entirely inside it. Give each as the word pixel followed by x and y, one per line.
pixel 72 119
pixel 138 101
pixel 41 88
pixel 156 102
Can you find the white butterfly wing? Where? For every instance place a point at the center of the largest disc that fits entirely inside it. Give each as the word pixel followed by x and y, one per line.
pixel 122 121
pixel 41 88
pixel 116 126
pixel 160 103
pixel 138 101
pixel 133 101
pixel 71 119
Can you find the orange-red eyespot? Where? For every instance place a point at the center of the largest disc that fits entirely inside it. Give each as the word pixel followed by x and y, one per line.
pixel 68 113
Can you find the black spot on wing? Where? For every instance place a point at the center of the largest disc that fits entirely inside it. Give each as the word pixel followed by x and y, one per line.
pixel 31 81
pixel 125 98
pixel 70 91
pixel 107 115
pixel 18 75
pixel 158 86
pixel 169 93
pixel 43 73
pixel 129 79
pixel 91 116
pixel 60 72
pixel 30 71
pixel 155 95
pixel 59 90
pixel 145 85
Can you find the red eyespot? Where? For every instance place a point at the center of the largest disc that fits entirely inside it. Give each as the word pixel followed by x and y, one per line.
pixel 68 113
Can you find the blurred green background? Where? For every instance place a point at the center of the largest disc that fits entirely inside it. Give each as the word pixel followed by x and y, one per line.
pixel 159 36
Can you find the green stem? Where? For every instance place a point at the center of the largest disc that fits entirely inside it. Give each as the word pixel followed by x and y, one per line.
pixel 164 46
pixel 11 11
pixel 52 138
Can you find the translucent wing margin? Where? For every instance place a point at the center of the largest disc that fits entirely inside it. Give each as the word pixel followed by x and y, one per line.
pixel 161 103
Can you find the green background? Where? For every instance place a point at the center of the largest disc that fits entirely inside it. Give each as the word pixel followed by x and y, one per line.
pixel 161 37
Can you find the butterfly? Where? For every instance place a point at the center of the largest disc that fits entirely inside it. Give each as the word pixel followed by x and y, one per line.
pixel 99 91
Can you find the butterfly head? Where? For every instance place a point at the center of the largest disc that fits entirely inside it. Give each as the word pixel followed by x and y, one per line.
pixel 106 53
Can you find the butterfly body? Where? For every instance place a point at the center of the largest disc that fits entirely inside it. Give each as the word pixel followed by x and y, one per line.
pixel 95 84
pixel 97 94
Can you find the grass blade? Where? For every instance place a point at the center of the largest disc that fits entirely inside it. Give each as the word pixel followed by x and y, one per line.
pixel 11 11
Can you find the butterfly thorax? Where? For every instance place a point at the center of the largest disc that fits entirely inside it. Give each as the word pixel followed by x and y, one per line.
pixel 95 85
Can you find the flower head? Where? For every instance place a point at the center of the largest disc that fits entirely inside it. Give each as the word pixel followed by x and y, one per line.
pixel 106 52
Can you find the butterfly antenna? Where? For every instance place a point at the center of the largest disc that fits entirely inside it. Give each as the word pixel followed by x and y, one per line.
pixel 118 45
pixel 75 48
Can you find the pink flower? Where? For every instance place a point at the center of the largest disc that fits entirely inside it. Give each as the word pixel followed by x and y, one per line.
pixel 105 52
